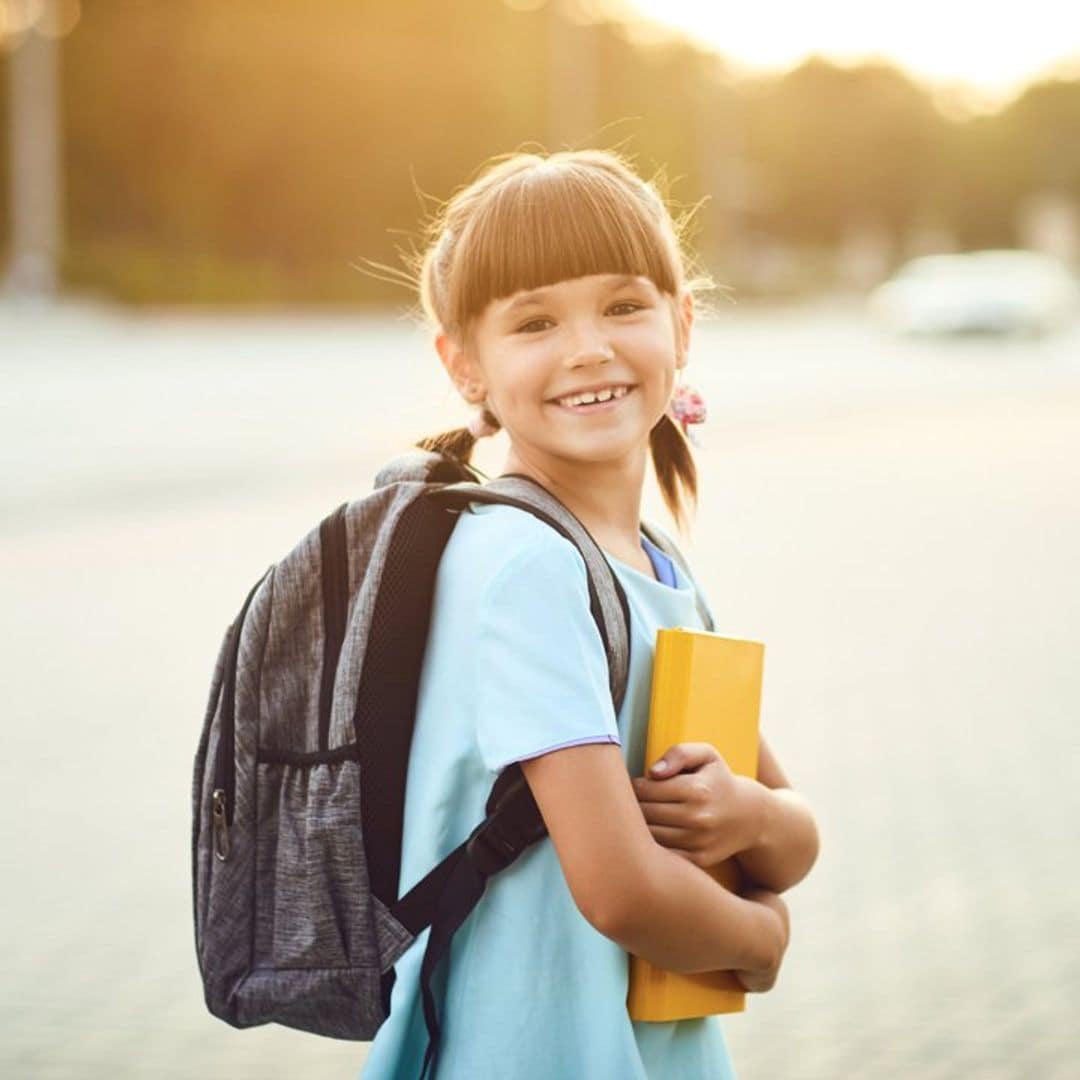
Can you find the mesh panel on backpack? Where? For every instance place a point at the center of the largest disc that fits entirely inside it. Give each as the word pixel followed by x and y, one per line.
pixel 386 702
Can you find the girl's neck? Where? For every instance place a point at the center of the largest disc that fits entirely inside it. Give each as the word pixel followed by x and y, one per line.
pixel 605 498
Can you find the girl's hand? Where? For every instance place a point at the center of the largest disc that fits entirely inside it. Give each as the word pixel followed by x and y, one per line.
pixel 701 809
pixel 759 982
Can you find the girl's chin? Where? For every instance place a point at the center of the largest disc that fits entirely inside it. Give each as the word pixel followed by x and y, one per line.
pixel 596 446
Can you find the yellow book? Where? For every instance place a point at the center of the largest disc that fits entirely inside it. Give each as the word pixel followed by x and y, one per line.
pixel 705 688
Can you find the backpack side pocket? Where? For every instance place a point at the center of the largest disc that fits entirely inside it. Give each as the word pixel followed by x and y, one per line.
pixel 312 900
pixel 320 938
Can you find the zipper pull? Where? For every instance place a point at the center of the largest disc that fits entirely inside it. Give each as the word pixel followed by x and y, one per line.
pixel 221 826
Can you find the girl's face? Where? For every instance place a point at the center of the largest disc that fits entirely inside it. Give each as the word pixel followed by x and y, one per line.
pixel 533 350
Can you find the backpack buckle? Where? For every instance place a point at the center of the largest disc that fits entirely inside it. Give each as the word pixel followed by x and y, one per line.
pixel 488 851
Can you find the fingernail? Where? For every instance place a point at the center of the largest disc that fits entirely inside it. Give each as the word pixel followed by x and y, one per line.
pixel 660 766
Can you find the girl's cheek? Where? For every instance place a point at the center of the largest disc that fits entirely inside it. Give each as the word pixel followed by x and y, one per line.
pixel 650 337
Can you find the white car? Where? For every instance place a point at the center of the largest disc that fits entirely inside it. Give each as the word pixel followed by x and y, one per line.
pixel 1000 291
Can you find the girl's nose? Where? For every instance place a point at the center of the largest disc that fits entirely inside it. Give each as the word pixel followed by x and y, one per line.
pixel 591 352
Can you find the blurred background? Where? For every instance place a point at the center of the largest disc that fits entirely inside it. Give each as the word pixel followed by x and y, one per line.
pixel 203 352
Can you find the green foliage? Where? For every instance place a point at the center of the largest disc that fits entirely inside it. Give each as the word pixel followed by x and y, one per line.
pixel 1042 129
pixel 843 144
pixel 258 150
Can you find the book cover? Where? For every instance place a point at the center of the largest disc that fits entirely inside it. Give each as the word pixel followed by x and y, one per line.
pixel 705 688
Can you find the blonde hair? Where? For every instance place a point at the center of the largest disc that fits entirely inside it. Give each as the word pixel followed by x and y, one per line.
pixel 530 220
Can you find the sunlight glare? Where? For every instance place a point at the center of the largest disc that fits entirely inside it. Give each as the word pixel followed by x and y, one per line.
pixel 994 50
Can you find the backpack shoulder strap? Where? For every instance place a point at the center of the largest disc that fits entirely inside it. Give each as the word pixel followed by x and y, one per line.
pixel 384 708
pixel 669 548
pixel 607 598
pixel 444 898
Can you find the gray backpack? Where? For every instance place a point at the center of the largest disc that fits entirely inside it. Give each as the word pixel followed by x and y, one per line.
pixel 299 781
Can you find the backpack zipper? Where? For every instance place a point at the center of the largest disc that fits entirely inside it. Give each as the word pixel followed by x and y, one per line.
pixel 223 799
pixel 221 826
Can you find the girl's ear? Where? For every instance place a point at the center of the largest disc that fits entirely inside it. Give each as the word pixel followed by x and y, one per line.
pixel 459 368
pixel 685 317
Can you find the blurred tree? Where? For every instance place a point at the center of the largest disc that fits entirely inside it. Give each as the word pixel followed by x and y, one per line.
pixel 979 188
pixel 280 138
pixel 254 150
pixel 1041 130
pixel 844 143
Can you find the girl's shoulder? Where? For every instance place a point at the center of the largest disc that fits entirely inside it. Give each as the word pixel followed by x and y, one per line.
pixel 498 523
pixel 492 541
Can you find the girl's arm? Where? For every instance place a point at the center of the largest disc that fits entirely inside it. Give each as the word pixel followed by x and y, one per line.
pixel 644 897
pixel 707 814
pixel 789 843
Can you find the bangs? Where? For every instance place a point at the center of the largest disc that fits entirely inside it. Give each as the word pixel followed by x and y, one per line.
pixel 551 224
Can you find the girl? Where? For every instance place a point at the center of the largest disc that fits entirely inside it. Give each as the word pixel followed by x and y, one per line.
pixel 557 289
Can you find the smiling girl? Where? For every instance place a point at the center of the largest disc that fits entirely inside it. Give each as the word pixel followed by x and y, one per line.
pixel 557 292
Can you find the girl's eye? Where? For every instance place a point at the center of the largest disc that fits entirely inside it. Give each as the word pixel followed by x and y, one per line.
pixel 633 305
pixel 532 322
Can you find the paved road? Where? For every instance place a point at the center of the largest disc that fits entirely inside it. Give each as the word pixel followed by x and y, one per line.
pixel 898 522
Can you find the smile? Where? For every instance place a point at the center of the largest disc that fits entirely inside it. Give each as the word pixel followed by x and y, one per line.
pixel 594 401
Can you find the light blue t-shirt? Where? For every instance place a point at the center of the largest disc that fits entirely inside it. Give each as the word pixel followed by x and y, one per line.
pixel 515 668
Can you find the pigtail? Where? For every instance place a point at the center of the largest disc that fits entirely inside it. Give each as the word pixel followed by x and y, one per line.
pixel 674 466
pixel 458 443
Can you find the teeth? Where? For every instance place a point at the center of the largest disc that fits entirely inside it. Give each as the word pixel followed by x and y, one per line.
pixel 588 398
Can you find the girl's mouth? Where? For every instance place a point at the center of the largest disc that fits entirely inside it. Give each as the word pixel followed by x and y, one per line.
pixel 596 406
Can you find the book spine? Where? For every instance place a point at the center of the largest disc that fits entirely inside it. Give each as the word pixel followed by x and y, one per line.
pixel 655 994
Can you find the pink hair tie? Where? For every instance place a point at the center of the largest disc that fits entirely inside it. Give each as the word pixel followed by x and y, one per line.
pixel 479 425
pixel 687 407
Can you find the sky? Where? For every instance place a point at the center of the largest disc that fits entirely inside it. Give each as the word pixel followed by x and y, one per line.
pixel 995 50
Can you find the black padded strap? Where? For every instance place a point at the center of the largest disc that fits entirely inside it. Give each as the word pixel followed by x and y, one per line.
pixel 333 546
pixel 445 897
pixel 459 896
pixel 385 709
pixel 512 823
pixel 607 598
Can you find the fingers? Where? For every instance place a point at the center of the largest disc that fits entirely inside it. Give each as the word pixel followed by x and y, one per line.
pixel 677 789
pixel 700 819
pixel 683 757
pixel 674 815
pixel 698 788
pixel 763 980
pixel 771 900
pixel 690 845
pixel 758 982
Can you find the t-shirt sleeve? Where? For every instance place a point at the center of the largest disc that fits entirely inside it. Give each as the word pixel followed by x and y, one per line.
pixel 541 668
